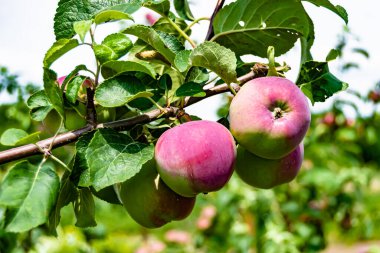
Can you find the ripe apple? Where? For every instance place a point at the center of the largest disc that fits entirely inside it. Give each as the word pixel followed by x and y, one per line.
pixel 150 202
pixel 195 157
pixel 267 173
pixel 269 117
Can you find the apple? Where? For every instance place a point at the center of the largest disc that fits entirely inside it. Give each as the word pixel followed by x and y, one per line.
pixel 269 117
pixel 73 121
pixel 268 173
pixel 150 202
pixel 195 157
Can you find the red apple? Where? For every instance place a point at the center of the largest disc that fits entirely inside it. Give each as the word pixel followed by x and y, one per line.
pixel 195 157
pixel 269 117
pixel 150 202
pixel 267 173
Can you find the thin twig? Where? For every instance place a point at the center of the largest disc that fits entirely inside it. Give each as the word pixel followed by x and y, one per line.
pixel 210 32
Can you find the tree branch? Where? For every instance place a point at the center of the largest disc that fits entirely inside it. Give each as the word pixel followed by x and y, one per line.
pixel 120 125
pixel 90 107
pixel 210 32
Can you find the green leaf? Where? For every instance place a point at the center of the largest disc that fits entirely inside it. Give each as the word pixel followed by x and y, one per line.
pixel 72 74
pixel 332 55
pixel 361 51
pixel 337 9
pixel 197 75
pixel 182 60
pixel 163 25
pixel 73 88
pixel 30 194
pixel 111 15
pixel 16 137
pixel 120 90
pixel 166 44
pixel 80 174
pixel 190 89
pixel 53 92
pixel 67 194
pixel 317 82
pixel 250 27
pixel 58 49
pixel 183 9
pixel 11 136
pixel 165 82
pixel 113 47
pixel 84 208
pixel 71 11
pixel 113 157
pixel 39 105
pixel 217 58
pixel 82 27
pixel 114 68
pixel 160 6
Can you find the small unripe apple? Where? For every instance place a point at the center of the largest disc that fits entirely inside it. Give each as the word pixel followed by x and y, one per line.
pixel 267 173
pixel 269 117
pixel 150 202
pixel 195 157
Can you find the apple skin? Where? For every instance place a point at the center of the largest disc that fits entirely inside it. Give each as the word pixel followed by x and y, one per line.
pixel 196 157
pixel 267 173
pixel 269 117
pixel 150 202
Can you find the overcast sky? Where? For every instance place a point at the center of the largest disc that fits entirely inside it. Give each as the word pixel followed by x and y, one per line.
pixel 26 32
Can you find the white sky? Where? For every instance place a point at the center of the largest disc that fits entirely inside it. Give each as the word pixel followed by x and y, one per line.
pixel 26 32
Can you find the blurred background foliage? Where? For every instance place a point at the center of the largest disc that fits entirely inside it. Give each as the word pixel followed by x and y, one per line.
pixel 334 199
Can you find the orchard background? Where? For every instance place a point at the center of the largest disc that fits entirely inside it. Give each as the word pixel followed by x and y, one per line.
pixel 332 201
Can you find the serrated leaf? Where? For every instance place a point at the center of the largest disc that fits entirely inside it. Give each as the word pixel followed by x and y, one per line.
pixel 165 82
pixel 250 27
pixel 113 47
pixel 197 75
pixel 67 194
pixel 84 208
pixel 73 88
pixel 16 137
pixel 160 6
pixel 111 15
pixel 39 105
pixel 58 49
pixel 217 58
pixel 82 27
pixel 80 174
pixel 317 82
pixel 183 9
pixel 71 11
pixel 114 68
pixel 53 92
pixel 190 89
pixel 166 44
pixel 163 25
pixel 337 9
pixel 30 193
pixel 114 157
pixel 73 73
pixel 120 90
pixel 182 60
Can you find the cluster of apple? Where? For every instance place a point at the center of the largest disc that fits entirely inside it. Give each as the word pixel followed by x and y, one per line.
pixel 269 118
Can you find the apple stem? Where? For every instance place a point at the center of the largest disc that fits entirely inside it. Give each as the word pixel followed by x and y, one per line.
pixel 233 91
pixel 272 63
pixel 183 115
